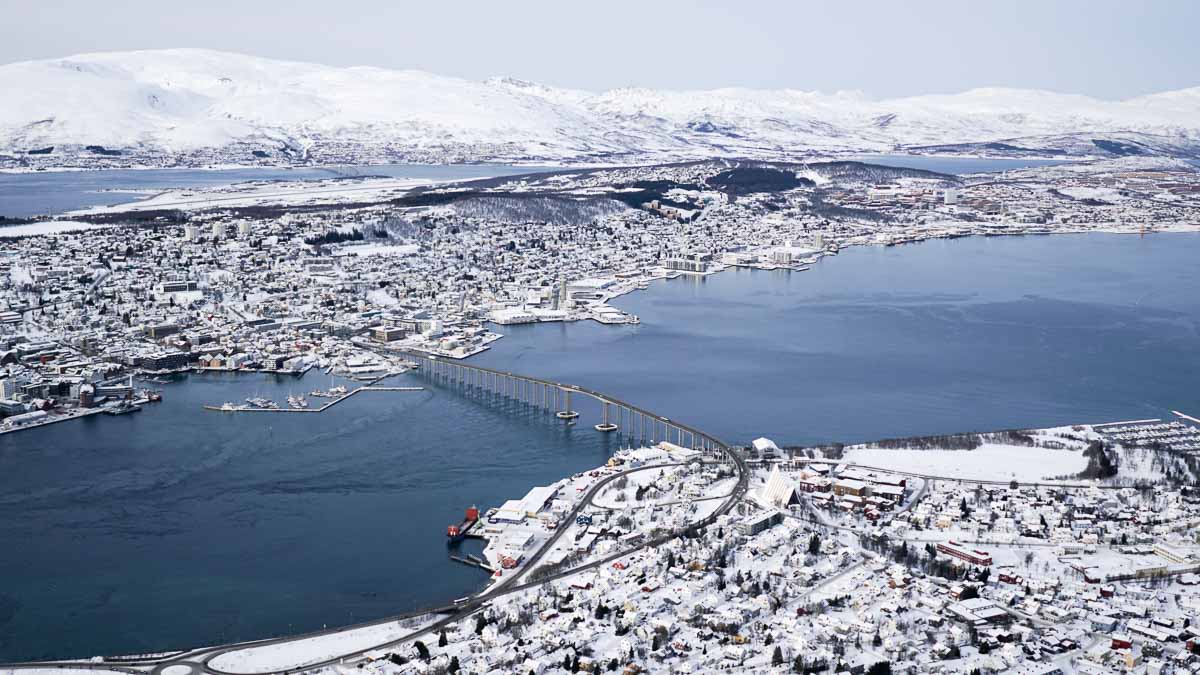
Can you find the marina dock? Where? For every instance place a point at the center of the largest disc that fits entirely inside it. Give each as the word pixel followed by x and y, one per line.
pixel 327 406
pixel 472 561
pixel 1186 417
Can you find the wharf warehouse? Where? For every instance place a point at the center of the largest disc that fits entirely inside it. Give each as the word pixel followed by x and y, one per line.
pixel 517 510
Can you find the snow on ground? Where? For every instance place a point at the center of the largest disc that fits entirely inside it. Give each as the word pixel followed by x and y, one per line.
pixel 47 227
pixel 190 98
pixel 257 193
pixel 381 297
pixel 988 462
pixel 299 653
pixel 60 671
pixel 1101 193
pixel 378 249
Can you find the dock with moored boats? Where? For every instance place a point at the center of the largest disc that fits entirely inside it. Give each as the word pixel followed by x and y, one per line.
pixel 228 407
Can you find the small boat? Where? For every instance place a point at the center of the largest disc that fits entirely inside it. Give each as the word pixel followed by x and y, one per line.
pixel 297 402
pixel 228 407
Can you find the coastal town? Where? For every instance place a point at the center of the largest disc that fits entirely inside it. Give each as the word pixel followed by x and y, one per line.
pixel 101 306
pixel 668 338
pixel 945 554
pixel 803 560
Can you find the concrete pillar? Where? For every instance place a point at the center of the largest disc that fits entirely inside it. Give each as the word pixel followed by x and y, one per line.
pixel 566 413
pixel 605 425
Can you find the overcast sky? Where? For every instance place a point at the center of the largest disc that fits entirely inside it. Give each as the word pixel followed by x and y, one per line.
pixel 1103 48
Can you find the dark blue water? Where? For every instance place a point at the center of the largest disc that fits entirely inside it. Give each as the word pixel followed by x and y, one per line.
pixel 25 195
pixel 957 165
pixel 177 527
pixel 942 336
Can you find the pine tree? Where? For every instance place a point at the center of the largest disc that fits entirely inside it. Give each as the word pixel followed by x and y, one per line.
pixel 777 656
pixel 442 639
pixel 453 667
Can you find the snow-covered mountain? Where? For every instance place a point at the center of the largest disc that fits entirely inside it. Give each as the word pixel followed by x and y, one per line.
pixel 214 104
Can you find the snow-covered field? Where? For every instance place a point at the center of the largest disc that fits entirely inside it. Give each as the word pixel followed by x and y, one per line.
pixel 293 193
pixel 988 462
pixel 298 653
pixel 1103 194
pixel 48 227
pixel 98 670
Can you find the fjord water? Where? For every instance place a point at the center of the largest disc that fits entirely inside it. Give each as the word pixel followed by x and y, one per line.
pixel 176 527
pixel 24 195
pixel 958 165
pixel 878 342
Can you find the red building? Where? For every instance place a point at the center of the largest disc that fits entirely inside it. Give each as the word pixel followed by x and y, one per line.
pixel 973 556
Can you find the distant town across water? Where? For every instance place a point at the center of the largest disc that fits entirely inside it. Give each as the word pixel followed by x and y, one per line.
pixel 179 526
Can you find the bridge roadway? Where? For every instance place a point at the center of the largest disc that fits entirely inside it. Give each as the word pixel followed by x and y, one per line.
pixel 509 384
pixel 200 660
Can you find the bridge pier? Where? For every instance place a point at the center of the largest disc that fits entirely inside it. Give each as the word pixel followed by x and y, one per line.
pixel 636 427
pixel 605 426
pixel 566 413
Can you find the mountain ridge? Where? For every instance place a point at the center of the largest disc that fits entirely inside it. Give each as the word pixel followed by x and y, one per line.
pixel 198 101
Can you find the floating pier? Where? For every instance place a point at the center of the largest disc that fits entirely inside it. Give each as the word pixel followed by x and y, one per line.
pixel 1186 417
pixel 327 406
pixel 471 563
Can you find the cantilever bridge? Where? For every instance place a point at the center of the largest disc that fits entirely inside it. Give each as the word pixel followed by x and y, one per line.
pixel 555 397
